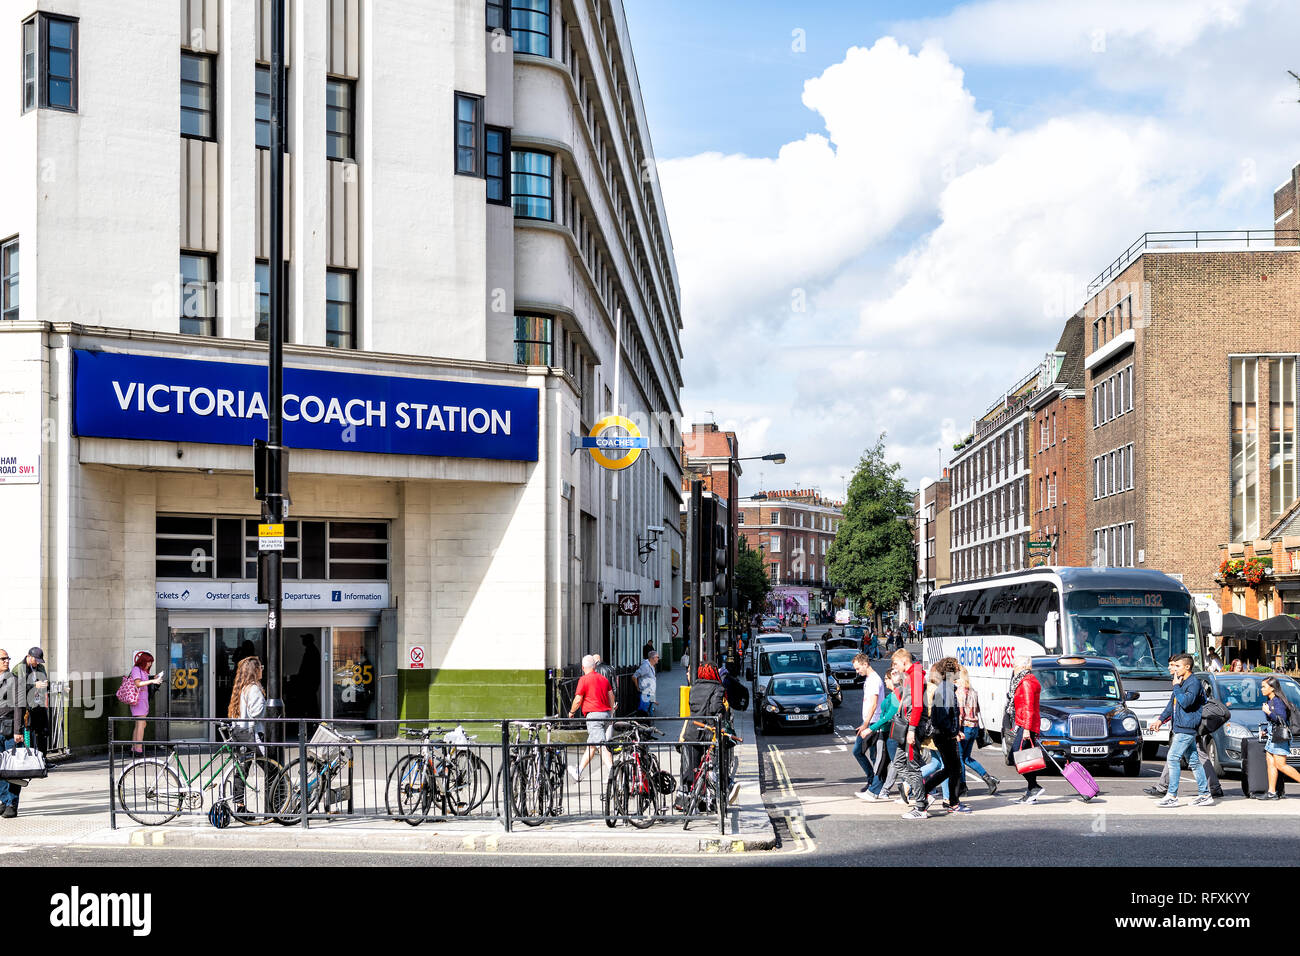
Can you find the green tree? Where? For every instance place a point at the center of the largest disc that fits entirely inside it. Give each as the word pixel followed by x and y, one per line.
pixel 752 584
pixel 872 556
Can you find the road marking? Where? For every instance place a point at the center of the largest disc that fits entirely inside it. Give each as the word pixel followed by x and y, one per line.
pixel 794 817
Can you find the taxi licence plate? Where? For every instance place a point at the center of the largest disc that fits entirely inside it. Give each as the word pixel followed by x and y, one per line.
pixel 796 716
pixel 1090 751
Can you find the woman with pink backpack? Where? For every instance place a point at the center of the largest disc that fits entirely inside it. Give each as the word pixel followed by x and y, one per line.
pixel 134 692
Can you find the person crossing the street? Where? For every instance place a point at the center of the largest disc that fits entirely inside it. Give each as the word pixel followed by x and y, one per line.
pixel 868 745
pixel 908 730
pixel 1024 697
pixel 1184 708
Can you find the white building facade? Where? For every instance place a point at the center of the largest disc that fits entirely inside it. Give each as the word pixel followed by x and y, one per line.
pixel 990 489
pixel 468 233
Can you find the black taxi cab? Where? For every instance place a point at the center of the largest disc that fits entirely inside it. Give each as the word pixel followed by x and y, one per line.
pixel 1084 714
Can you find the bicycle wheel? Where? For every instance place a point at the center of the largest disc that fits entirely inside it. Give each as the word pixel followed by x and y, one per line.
pixel 150 792
pixel 290 812
pixel 641 798
pixel 555 770
pixel 616 792
pixel 256 789
pixel 528 790
pixel 409 791
pixel 481 779
pixel 458 783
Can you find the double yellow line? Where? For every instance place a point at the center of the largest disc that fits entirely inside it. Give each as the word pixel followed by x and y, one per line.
pixel 794 818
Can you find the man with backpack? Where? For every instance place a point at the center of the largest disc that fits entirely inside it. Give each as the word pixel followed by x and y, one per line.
pixel 1185 708
pixel 607 672
pixel 707 701
pixel 1213 716
pixel 910 727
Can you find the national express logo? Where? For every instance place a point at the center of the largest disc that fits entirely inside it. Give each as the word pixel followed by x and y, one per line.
pixel 990 656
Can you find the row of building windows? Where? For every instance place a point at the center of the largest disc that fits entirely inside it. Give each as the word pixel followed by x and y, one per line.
pixel 995 513
pixel 1112 473
pixel 987 559
pixel 1112 397
pixel 999 459
pixel 1244 401
pixel 1115 321
pixel 1112 547
pixel 1047 492
pixel 202 547
pixel 1046 435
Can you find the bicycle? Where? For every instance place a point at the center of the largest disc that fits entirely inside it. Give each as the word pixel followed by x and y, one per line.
pixel 703 794
pixel 635 780
pixel 151 792
pixel 537 772
pixel 450 773
pixel 325 762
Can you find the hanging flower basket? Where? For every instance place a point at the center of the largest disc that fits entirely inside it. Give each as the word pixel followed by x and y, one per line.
pixel 1252 571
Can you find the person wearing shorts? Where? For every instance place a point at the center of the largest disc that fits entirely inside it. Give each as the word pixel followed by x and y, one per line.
pixel 595 697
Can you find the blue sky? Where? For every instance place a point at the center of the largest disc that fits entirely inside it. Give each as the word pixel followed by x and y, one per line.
pixel 899 218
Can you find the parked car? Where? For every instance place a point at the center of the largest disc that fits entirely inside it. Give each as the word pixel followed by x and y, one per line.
pixel 1084 714
pixel 796 700
pixel 1244 699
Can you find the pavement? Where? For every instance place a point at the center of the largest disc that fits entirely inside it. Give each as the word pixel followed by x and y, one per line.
pixel 69 808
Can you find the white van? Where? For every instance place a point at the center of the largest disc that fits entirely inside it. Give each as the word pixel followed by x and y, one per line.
pixel 843 616
pixel 801 657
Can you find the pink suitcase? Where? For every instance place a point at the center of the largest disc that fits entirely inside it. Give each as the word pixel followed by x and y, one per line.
pixel 1082 781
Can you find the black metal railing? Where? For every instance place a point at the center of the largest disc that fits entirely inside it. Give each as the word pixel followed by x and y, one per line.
pixel 1196 239
pixel 534 771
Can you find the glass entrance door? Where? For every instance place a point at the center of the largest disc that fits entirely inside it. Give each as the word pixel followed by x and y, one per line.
pixel 187 682
pixel 230 646
pixel 354 673
pixel 300 660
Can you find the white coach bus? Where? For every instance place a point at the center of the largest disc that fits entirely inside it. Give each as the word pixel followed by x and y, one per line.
pixel 1137 618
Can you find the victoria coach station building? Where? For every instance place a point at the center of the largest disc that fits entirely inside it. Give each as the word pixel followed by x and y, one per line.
pixel 425 545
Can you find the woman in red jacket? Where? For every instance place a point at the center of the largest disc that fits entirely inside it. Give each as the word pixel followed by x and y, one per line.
pixel 1025 691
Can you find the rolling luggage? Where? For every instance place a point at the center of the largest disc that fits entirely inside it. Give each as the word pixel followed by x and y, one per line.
pixel 1082 781
pixel 1254 769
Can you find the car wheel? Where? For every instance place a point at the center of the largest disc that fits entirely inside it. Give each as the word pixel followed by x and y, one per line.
pixel 1133 765
pixel 1215 760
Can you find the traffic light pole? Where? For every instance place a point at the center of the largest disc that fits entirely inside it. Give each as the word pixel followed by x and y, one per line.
pixel 694 642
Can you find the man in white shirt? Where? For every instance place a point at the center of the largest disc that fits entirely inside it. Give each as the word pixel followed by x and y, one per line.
pixel 647 680
pixel 867 746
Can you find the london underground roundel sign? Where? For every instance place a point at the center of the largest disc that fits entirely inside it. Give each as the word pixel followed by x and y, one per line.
pixel 626 447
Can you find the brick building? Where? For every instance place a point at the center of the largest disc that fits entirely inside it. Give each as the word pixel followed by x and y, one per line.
pixel 710 455
pixel 1277 593
pixel 1058 480
pixel 1190 384
pixel 794 530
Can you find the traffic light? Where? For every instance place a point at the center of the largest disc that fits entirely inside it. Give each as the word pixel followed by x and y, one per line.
pixel 714 550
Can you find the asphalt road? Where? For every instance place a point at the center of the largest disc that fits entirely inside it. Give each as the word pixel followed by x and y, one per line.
pixel 809 781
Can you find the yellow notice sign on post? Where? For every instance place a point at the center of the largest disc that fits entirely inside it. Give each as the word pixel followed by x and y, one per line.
pixel 270 537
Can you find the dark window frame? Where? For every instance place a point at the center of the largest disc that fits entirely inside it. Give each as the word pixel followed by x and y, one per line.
pixel 479 135
pixel 40 73
pixel 259 325
pixel 355 331
pixel 8 279
pixel 504 7
pixel 211 259
pixel 548 344
pixel 550 178
pixel 350 86
pixel 211 61
pixel 506 197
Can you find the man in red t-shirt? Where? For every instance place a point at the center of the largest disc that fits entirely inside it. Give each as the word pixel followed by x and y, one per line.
pixel 595 695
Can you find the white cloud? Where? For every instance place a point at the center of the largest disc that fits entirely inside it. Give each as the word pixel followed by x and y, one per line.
pixel 1039 32
pixel 752 230
pixel 941 255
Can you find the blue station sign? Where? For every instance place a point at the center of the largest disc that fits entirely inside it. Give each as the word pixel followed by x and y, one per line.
pixel 151 398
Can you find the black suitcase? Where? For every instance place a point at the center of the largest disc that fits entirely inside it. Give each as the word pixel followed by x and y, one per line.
pixel 1254 769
